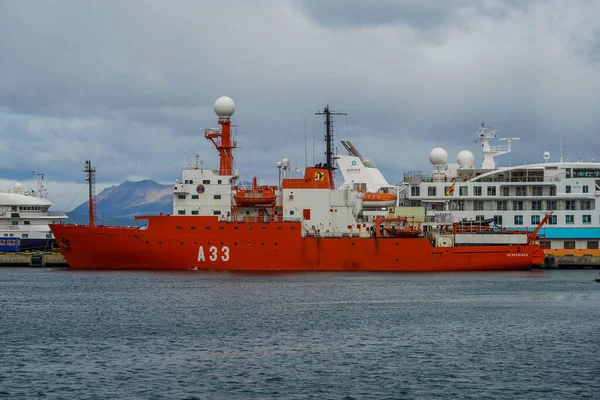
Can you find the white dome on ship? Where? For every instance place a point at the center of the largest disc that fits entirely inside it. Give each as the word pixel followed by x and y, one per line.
pixel 465 159
pixel 18 188
pixel 285 162
pixel 546 155
pixel 224 107
pixel 438 157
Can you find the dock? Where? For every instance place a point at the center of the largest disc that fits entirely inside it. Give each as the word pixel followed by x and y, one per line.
pixel 32 259
pixel 571 258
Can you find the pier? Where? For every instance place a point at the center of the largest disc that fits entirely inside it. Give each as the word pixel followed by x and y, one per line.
pixel 32 259
pixel 571 258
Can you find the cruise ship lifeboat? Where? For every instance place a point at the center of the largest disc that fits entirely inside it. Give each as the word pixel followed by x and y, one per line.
pixel 257 196
pixel 378 199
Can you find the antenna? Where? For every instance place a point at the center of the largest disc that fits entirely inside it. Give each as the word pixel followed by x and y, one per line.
pixel 305 150
pixel 313 161
pixel 561 149
pixel 185 161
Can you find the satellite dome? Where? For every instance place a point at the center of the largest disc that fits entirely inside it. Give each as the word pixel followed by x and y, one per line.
pixel 465 159
pixel 285 162
pixel 546 155
pixel 438 157
pixel 18 188
pixel 224 107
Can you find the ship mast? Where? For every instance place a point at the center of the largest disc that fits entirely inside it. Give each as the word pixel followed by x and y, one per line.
pixel 90 176
pixel 329 139
pixel 224 108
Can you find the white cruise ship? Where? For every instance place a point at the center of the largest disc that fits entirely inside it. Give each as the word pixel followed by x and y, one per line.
pixel 25 215
pixel 516 197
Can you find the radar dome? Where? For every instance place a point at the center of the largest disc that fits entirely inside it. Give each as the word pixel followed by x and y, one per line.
pixel 546 155
pixel 465 159
pixel 438 157
pixel 224 107
pixel 18 188
pixel 285 162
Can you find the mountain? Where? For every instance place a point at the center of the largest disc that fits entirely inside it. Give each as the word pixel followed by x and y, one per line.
pixel 129 199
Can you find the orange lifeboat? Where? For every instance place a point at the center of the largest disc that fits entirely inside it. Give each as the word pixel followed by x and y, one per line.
pixel 379 199
pixel 401 227
pixel 257 196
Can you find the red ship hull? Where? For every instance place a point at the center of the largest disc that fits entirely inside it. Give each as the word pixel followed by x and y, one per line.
pixel 205 243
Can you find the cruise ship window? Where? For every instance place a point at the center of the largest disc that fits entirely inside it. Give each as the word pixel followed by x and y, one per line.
pixel 431 190
pixel 195 212
pixel 586 205
pixel 517 205
pixel 217 212
pixel 551 205
pixel 217 196
pixel 592 244
pixel 518 220
pixel 553 220
pixel 24 236
pixel 587 219
pixel 585 189
pixel 521 190
pixel 195 197
pixel 497 219
pixel 181 197
pixel 569 219
pixel 15 222
pixel 505 191
pixel 478 206
pixel 535 219
pixel 415 191
pixel 569 205
pixel 536 205
pixel 502 205
pixel 537 191
pixel 491 190
pixel 181 212
pixel 567 189
pixel 477 191
pixel 463 191
pixel 206 182
pixel 552 190
pixel 26 222
pixel 569 244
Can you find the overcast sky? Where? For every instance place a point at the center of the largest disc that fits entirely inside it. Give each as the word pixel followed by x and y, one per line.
pixel 126 82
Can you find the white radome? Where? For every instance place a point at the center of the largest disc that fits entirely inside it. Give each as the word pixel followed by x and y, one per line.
pixel 224 107
pixel 18 188
pixel 465 159
pixel 438 157
pixel 546 155
pixel 285 162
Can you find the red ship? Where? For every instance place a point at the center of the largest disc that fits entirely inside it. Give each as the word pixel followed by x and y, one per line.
pixel 301 224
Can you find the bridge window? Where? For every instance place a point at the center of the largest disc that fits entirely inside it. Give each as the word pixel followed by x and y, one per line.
pixel 217 196
pixel 180 212
pixel 206 182
pixel 195 212
pixel 195 197
pixel 181 196
pixel 217 212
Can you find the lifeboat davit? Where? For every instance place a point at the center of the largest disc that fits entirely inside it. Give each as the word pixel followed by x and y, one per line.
pixel 378 199
pixel 257 196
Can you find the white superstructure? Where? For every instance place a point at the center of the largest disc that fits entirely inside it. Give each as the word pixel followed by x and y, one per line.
pixel 24 214
pixel 516 197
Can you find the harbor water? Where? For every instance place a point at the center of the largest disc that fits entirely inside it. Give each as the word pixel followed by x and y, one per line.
pixel 207 335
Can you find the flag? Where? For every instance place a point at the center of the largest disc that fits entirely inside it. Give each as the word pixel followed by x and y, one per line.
pixel 450 190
